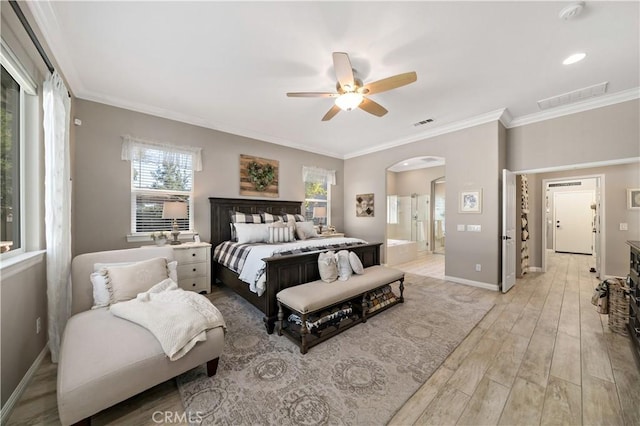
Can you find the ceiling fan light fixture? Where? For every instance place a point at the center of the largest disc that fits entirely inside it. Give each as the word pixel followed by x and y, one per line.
pixel 348 101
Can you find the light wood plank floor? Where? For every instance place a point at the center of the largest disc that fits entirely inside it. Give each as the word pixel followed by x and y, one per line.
pixel 542 355
pixel 426 264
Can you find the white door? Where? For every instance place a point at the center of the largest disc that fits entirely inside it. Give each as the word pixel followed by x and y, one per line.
pixel 508 230
pixel 573 222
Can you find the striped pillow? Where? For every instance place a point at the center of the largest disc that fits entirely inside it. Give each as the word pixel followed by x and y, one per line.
pixel 281 233
pixel 270 218
pixel 291 218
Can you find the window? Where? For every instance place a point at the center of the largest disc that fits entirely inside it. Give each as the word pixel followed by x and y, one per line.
pixel 10 182
pixel 317 194
pixel 160 174
pixel 392 209
pixel 17 113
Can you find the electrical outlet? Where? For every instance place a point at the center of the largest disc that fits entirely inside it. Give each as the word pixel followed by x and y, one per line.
pixel 478 267
pixel 624 227
pixel 38 325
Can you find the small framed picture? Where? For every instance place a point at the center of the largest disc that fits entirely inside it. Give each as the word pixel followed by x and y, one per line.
pixel 471 201
pixel 196 238
pixel 633 199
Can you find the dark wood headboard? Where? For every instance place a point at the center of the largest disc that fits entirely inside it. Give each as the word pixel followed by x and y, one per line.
pixel 220 208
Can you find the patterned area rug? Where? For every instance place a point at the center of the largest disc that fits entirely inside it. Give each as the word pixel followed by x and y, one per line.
pixel 360 377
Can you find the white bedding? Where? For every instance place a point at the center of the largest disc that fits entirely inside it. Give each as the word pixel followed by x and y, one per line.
pixel 254 267
pixel 177 318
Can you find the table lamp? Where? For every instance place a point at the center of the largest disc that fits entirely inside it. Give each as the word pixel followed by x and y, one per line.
pixel 174 210
pixel 320 213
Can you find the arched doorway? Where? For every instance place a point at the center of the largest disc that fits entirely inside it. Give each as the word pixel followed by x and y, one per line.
pixel 415 215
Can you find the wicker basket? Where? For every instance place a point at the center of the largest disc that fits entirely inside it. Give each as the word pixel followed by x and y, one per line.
pixel 618 306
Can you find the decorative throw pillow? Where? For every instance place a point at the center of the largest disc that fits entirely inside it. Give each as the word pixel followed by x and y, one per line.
pixel 125 282
pixel 239 217
pixel 356 263
pixel 280 232
pixel 288 218
pixel 101 294
pixel 252 232
pixel 327 266
pixel 270 218
pixel 344 267
pixel 305 230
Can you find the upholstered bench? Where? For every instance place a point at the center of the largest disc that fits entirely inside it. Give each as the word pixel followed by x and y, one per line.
pixel 313 297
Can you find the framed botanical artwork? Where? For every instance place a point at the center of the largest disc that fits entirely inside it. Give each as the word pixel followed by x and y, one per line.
pixel 364 205
pixel 258 176
pixel 633 199
pixel 471 201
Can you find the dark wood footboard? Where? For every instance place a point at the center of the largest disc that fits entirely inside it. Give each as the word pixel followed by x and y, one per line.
pixel 287 271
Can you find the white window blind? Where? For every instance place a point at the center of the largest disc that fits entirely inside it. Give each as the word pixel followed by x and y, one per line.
pixel 160 173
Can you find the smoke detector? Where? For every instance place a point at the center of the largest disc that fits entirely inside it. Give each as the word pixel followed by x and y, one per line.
pixel 571 11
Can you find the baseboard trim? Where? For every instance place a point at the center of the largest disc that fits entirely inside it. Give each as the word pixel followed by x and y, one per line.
pixel 487 286
pixel 6 410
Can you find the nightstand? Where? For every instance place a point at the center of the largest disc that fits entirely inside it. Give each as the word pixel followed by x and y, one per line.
pixel 194 266
pixel 333 235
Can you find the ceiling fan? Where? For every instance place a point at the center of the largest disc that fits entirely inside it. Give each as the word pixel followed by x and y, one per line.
pixel 351 91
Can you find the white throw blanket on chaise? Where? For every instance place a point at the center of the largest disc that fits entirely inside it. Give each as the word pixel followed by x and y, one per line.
pixel 177 318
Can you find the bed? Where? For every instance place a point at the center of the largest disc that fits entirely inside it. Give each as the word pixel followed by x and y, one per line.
pixel 281 271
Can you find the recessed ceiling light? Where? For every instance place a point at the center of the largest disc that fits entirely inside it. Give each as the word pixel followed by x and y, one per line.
pixel 576 57
pixel 405 164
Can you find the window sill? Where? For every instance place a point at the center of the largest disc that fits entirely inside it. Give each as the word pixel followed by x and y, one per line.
pixel 145 238
pixel 16 264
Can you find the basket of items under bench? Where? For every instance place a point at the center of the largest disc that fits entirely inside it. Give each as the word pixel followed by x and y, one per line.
pixel 346 294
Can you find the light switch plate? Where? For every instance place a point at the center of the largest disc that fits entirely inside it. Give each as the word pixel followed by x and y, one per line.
pixel 474 228
pixel 460 227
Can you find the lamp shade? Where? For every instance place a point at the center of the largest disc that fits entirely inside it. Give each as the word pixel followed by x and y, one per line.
pixel 319 212
pixel 174 210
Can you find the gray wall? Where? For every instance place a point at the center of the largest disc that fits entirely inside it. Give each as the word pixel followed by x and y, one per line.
pixel 607 133
pixel 415 181
pixel 478 168
pixel 24 299
pixel 102 195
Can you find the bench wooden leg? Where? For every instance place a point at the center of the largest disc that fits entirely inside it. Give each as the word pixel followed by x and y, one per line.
pixel 303 334
pixel 280 318
pixel 401 300
pixel 212 367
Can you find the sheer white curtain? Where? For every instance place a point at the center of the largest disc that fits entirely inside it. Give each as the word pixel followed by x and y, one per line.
pixel 318 175
pixel 57 201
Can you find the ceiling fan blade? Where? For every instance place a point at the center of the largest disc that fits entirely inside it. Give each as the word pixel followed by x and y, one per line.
pixel 331 113
pixel 313 95
pixel 372 107
pixel 390 83
pixel 344 72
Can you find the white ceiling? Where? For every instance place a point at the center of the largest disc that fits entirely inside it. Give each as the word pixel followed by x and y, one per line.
pixel 228 65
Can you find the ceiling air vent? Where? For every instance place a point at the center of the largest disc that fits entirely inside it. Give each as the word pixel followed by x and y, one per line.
pixel 423 122
pixel 575 96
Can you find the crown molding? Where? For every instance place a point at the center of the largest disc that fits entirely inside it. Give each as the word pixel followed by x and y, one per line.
pixel 197 121
pixel 452 127
pixel 47 22
pixel 598 102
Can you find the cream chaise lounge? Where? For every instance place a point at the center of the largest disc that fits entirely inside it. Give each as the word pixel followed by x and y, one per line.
pixel 105 359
